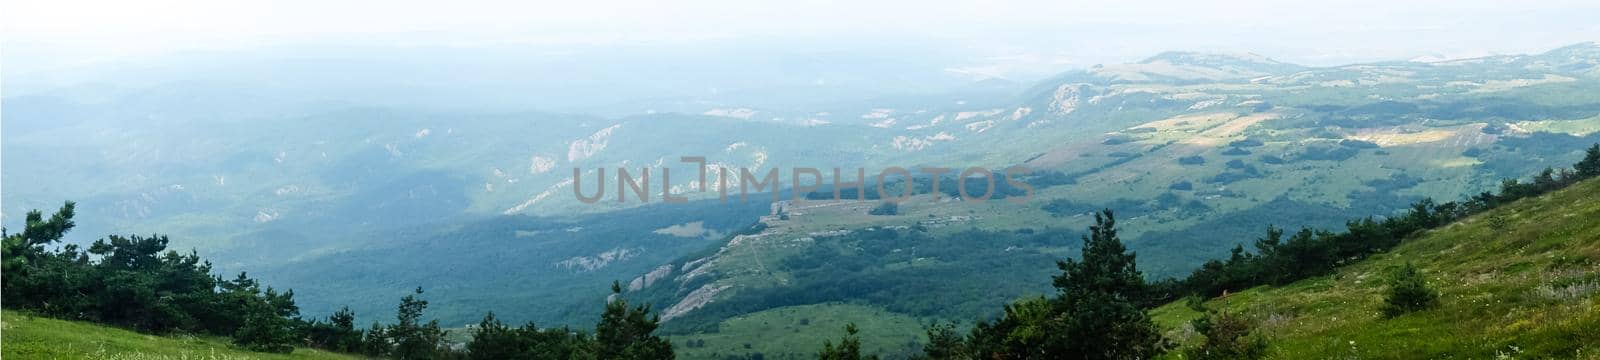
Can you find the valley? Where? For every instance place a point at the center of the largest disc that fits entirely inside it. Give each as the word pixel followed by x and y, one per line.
pixel 1196 152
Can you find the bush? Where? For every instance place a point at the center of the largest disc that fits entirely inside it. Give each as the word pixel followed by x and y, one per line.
pixel 1329 153
pixel 1229 177
pixel 1191 160
pixel 337 334
pixel 1227 336
pixel 885 208
pixel 1408 292
pixel 1499 223
pixel 1195 302
pixel 1246 143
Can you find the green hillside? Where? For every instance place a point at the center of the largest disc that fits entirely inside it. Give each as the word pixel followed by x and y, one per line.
pixel 33 337
pixel 796 333
pixel 1521 287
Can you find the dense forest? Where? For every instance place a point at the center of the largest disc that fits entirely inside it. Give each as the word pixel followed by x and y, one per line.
pixel 1098 312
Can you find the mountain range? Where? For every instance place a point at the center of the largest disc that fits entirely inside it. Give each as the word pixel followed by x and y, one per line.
pixel 357 204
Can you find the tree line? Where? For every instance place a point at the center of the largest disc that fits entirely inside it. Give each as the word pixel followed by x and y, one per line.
pixel 1099 309
pixel 135 282
pixel 1280 258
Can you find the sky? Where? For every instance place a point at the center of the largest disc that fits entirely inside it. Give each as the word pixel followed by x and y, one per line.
pixel 1006 35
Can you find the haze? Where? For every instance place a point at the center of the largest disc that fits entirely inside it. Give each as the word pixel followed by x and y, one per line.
pixel 1003 38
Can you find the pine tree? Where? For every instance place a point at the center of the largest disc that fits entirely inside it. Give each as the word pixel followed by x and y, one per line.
pixel 412 338
pixel 345 336
pixel 1589 167
pixel 1096 315
pixel 1270 266
pixel 375 342
pixel 493 340
pixel 337 334
pixel 944 343
pixel 1546 180
pixel 1099 298
pixel 1408 291
pixel 29 274
pixel 849 347
pixel 268 321
pixel 266 332
pixel 625 333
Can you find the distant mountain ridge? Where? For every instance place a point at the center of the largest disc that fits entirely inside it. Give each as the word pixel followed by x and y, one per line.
pixel 1197 151
pixel 1177 142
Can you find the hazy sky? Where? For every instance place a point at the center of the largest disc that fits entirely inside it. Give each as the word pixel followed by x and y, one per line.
pixel 1010 33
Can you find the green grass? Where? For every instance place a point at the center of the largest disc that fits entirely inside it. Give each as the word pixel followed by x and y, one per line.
pixel 797 332
pixel 33 337
pixel 1531 290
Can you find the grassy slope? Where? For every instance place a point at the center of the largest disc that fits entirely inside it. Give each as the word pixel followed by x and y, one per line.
pixel 1529 291
pixel 797 332
pixel 33 337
